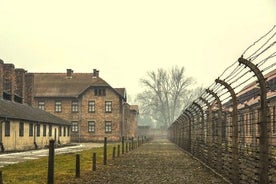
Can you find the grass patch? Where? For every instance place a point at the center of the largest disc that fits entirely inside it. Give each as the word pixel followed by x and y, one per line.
pixel 36 171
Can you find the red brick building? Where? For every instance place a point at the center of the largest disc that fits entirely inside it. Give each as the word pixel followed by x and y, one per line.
pixel 95 109
pixel 23 127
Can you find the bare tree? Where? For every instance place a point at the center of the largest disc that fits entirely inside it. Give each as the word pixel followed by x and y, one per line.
pixel 166 94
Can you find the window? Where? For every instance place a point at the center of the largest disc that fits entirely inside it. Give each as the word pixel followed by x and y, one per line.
pixel 99 92
pixel 59 131
pixel 108 106
pixel 75 126
pixel 58 106
pixel 91 106
pixel 247 124
pixel 21 129
pixel 274 120
pixel 38 130
pixel 44 130
pixel 41 105
pixel 64 131
pixel 50 130
pixel 108 127
pixel 251 120
pixel 91 126
pixel 31 129
pixel 7 128
pixel 75 106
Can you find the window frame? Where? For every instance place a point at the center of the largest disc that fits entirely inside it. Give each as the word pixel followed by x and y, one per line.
pixel 31 129
pixel 41 105
pixel 58 106
pixel 99 92
pixel 108 127
pixel 7 128
pixel 274 119
pixel 59 131
pixel 91 106
pixel 108 106
pixel 44 130
pixel 91 125
pixel 75 127
pixel 50 133
pixel 64 131
pixel 38 130
pixel 21 129
pixel 75 106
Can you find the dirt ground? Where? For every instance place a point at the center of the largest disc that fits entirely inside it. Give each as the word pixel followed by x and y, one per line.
pixel 158 161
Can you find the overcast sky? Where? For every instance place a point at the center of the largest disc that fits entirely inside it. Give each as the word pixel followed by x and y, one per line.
pixel 125 39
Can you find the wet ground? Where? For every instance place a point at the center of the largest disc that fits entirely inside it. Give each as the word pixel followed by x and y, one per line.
pixel 13 158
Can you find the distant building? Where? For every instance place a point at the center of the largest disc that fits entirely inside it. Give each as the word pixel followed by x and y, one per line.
pixel 144 130
pixel 22 126
pixel 94 108
pixel 249 113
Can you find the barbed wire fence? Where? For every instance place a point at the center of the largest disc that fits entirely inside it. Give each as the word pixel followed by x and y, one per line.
pixel 231 127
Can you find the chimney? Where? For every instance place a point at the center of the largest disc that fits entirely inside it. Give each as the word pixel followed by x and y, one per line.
pixel 69 73
pixel 1 78
pixel 20 83
pixel 95 73
pixel 29 89
pixel 9 84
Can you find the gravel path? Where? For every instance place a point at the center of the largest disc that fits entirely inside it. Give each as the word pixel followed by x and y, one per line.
pixel 155 162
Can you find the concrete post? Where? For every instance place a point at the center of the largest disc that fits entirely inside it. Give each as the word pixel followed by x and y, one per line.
pixel 219 125
pixel 265 137
pixel 235 133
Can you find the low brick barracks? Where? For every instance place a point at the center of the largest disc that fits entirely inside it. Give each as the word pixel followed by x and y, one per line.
pixel 92 107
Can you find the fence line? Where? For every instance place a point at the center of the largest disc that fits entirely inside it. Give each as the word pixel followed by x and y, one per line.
pixel 233 132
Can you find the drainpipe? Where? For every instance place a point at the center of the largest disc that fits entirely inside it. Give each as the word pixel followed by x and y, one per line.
pixel 35 127
pixel 80 117
pixel 123 120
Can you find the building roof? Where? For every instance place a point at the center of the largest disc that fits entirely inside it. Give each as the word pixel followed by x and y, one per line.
pixel 13 110
pixel 270 75
pixel 134 108
pixel 60 85
pixel 121 91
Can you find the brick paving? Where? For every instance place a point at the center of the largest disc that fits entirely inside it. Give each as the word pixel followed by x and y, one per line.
pixel 158 161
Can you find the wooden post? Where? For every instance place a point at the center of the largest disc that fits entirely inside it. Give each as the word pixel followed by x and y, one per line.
pixel 1 178
pixel 105 151
pixel 77 166
pixel 132 143
pixel 114 151
pixel 118 150
pixel 123 145
pixel 51 160
pixel 94 162
pixel 126 146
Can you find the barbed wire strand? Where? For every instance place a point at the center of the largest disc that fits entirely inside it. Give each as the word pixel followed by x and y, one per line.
pixel 259 39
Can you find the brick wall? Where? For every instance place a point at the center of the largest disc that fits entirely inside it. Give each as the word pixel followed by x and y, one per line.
pixel 9 80
pixel 83 116
pixel 20 82
pixel 26 142
pixel 1 78
pixel 133 123
pixel 29 87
